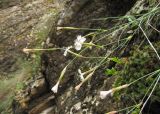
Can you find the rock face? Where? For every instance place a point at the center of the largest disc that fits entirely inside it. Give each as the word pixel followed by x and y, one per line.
pixel 17 22
pixel 20 27
pixel 77 13
pixel 80 14
pixel 9 3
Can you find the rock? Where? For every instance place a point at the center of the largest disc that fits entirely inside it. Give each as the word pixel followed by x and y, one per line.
pixel 42 107
pixel 7 65
pixel 35 91
pixel 80 14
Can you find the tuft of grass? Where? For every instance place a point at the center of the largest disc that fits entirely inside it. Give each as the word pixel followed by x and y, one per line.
pixel 9 86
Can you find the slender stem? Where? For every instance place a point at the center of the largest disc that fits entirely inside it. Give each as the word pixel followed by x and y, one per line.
pixel 149 42
pixel 150 94
pixel 76 28
pixel 81 56
pixel 150 74
pixel 131 107
pixel 153 27
pixel 92 44
pixel 49 49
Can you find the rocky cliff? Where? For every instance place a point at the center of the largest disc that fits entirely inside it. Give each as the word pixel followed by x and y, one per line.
pixel 117 55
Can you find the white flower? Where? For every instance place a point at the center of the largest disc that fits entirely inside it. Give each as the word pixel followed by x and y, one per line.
pixel 104 94
pixel 78 42
pixel 55 88
pixel 66 50
pixel 81 74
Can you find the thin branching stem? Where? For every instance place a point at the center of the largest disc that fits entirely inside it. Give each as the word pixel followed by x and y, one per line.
pixel 149 42
pixel 150 74
pixel 154 87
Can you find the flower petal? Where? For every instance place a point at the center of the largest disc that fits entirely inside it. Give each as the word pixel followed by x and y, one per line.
pixel 82 39
pixel 81 74
pixel 66 50
pixel 79 37
pixel 104 94
pixel 55 88
pixel 78 46
pixel 78 42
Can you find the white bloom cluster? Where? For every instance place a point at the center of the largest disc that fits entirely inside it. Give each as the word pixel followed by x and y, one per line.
pixel 78 42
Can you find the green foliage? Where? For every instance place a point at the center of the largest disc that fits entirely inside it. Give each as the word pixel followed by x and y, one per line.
pixel 112 71
pixel 136 110
pixel 5 105
pixel 116 59
pixel 152 2
pixel 141 62
pixel 132 19
pixel 20 85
